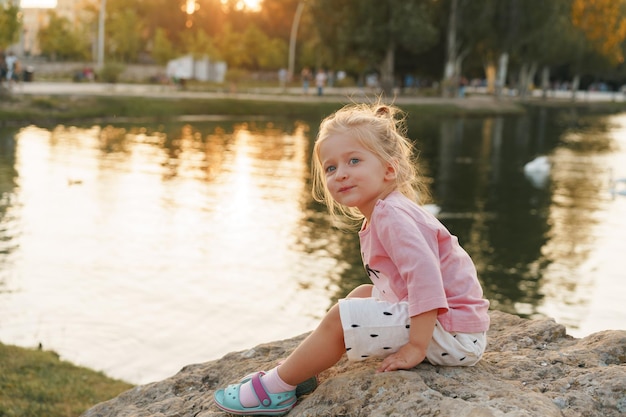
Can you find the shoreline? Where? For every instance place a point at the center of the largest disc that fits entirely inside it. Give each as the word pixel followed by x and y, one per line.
pixel 475 101
pixel 51 103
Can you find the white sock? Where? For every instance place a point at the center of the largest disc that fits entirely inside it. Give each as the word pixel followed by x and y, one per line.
pixel 272 383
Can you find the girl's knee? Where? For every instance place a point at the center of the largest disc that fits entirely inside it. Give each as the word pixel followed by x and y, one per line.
pixel 362 291
pixel 331 323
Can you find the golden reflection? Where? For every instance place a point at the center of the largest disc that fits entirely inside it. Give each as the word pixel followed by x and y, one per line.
pixel 128 239
pixel 580 219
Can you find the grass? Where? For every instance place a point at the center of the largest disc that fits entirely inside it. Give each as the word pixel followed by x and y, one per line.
pixel 36 383
pixel 52 110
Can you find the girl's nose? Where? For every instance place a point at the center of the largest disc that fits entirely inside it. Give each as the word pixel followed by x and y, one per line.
pixel 341 173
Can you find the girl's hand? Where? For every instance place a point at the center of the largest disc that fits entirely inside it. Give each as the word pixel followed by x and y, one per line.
pixel 407 357
pixel 414 352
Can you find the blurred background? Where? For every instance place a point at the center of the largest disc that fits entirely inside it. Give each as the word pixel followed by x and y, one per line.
pixel 419 46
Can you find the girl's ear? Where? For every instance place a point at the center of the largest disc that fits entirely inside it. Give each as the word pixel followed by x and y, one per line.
pixel 390 172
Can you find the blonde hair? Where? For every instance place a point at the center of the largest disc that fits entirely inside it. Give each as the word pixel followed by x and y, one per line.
pixel 381 129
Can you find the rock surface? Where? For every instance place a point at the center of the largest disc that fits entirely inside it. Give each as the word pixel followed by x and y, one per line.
pixel 531 368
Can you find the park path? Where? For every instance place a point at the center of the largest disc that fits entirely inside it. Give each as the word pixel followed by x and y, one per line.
pixel 293 94
pixel 474 99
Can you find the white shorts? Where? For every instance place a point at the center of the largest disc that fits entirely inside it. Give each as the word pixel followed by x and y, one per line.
pixel 375 329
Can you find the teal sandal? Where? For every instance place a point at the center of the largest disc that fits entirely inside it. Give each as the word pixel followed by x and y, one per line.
pixel 303 388
pixel 270 404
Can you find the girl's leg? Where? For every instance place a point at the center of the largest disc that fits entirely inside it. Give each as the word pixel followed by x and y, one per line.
pixel 321 349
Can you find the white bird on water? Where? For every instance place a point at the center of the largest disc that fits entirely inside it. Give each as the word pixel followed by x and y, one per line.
pixel 433 209
pixel 537 171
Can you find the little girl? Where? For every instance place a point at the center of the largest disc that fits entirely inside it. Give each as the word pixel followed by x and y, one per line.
pixel 425 302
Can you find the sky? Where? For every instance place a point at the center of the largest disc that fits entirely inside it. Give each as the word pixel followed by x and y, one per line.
pixel 38 3
pixel 253 4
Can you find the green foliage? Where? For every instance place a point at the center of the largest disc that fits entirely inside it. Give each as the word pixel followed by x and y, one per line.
pixel 163 49
pixel 274 55
pixel 369 27
pixel 10 23
pixel 110 72
pixel 36 383
pixel 352 35
pixel 199 44
pixel 251 49
pixel 236 75
pixel 60 41
pixel 122 41
pixel 45 103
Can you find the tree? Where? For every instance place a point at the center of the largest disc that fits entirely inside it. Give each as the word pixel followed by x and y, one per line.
pixel 167 16
pixel 276 17
pixel 375 30
pixel 198 43
pixel 562 40
pixel 124 30
pixel 60 41
pixel 252 49
pixel 603 23
pixel 10 23
pixel 531 47
pixel 470 29
pixel 162 48
pixel 231 47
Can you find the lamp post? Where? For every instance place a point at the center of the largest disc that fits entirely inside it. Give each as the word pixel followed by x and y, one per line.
pixel 103 5
pixel 292 39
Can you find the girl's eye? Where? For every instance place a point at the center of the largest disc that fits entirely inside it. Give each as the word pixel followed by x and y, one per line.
pixel 329 169
pixel 354 161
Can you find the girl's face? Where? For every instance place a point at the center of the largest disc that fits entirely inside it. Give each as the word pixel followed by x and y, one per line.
pixel 355 177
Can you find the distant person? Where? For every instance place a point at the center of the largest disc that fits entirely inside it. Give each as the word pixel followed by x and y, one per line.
pixel 320 81
pixel 306 76
pixel 11 61
pixel 3 68
pixel 330 82
pixel 425 302
pixel 462 86
pixel 282 78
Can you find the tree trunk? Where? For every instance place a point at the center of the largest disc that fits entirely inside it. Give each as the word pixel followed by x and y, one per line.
pixel 490 75
pixel 526 77
pixel 451 75
pixel 545 82
pixel 503 63
pixel 575 85
pixel 387 70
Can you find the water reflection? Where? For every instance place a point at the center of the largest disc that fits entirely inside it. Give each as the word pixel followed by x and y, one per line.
pixel 167 245
pixel 8 223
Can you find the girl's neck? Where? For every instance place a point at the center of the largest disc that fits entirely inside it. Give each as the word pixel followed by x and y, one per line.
pixel 368 215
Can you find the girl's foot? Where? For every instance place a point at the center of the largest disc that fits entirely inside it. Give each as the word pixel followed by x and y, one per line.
pixel 254 397
pixel 267 403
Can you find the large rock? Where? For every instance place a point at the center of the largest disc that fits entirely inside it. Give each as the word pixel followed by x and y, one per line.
pixel 531 368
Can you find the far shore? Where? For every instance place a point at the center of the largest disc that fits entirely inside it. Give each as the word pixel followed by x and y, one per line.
pixel 50 103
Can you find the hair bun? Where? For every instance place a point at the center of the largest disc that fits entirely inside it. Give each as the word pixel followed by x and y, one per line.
pixel 383 111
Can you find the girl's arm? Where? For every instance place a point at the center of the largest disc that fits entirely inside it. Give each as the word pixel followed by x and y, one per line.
pixel 414 352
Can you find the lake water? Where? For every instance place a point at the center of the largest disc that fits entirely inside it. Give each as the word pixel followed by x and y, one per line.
pixel 137 250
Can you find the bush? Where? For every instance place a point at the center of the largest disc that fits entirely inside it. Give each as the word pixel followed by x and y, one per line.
pixel 110 72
